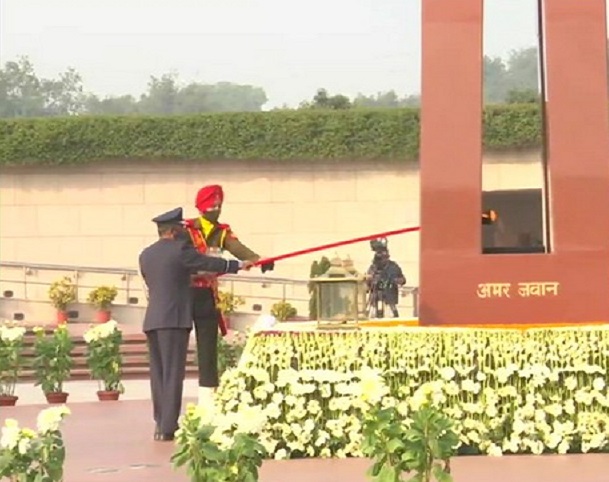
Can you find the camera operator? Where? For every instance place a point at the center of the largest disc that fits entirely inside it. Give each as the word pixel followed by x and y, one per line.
pixel 383 277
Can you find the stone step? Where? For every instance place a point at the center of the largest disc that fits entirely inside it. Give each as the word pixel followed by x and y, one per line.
pixel 131 360
pixel 77 338
pixel 135 358
pixel 131 349
pixel 129 373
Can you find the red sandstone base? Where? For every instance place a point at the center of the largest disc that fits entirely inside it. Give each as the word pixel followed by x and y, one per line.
pixel 100 449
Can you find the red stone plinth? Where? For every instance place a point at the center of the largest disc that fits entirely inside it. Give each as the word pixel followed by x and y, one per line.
pixel 459 284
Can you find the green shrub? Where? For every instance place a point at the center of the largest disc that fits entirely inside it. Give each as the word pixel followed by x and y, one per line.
pixel 296 135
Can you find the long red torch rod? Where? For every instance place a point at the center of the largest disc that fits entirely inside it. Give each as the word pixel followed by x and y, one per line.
pixel 300 252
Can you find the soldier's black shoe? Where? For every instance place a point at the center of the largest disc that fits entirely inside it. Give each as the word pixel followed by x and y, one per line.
pixel 165 437
pixel 157 432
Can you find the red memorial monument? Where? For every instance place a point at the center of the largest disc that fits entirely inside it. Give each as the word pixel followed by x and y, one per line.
pixel 568 282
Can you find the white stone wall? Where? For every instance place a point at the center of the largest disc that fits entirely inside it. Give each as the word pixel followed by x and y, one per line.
pixel 101 215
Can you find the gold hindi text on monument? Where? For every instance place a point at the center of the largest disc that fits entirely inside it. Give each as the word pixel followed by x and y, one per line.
pixel 494 290
pixel 538 288
pixel 524 290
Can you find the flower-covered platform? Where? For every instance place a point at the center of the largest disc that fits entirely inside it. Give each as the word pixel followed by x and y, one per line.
pixel 519 391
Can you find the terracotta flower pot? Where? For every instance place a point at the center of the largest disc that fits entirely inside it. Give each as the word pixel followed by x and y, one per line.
pixel 56 397
pixel 102 316
pixel 8 400
pixel 62 317
pixel 108 395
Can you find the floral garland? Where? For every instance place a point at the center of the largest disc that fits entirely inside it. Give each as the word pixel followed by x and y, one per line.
pixel 509 391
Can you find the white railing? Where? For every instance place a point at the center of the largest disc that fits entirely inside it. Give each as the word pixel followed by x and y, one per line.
pixel 31 281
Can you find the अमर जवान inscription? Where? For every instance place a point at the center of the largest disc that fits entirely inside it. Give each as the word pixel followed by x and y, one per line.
pixel 524 290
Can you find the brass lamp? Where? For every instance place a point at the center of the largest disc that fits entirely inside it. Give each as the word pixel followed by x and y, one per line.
pixel 340 296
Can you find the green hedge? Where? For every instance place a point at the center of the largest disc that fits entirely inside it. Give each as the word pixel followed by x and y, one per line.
pixel 390 134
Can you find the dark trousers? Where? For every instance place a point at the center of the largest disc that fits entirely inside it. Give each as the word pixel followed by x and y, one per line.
pixel 168 349
pixel 206 316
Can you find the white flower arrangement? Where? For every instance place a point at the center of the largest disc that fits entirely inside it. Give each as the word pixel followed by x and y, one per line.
pixel 104 356
pixel 250 420
pixel 508 391
pixel 217 446
pixel 27 454
pixel 9 333
pixel 100 331
pixel 50 420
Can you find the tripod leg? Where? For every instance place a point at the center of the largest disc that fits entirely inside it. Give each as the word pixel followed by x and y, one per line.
pixel 373 304
pixel 368 310
pixel 380 307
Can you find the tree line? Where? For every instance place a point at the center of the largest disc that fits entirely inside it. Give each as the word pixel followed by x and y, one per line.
pixel 24 94
pixel 510 81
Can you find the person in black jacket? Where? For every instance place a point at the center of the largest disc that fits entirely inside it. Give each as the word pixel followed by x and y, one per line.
pixel 166 267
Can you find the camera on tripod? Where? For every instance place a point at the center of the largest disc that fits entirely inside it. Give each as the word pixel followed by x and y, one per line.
pixel 379 245
pixel 379 280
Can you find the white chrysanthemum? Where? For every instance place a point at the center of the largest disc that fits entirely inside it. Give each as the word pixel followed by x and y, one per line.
pixel 281 454
pixel 447 373
pixel 10 434
pixel 221 439
pixel 571 383
pixel 11 334
pixel 598 384
pixel 373 390
pixel 250 420
pixel 101 331
pixel 24 445
pixel 50 419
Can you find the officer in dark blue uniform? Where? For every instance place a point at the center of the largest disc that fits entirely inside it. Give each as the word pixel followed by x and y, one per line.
pixel 166 267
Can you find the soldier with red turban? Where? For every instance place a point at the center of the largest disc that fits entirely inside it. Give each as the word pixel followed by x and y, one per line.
pixel 211 237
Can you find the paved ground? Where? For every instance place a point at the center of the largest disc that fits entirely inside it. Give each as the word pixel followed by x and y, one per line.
pixel 112 442
pixel 85 391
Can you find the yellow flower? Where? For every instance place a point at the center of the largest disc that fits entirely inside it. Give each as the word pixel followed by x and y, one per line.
pixel 28 432
pixel 11 423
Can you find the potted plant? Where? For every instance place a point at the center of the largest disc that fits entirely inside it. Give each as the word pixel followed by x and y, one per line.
pixel 11 350
pixel 61 293
pixel 224 447
pixel 283 311
pixel 53 362
pixel 102 298
pixel 228 304
pixel 34 455
pixel 104 358
pixel 424 446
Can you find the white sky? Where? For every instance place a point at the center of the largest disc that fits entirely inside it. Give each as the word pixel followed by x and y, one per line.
pixel 290 48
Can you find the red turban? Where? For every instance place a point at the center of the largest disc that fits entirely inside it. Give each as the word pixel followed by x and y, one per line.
pixel 208 196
